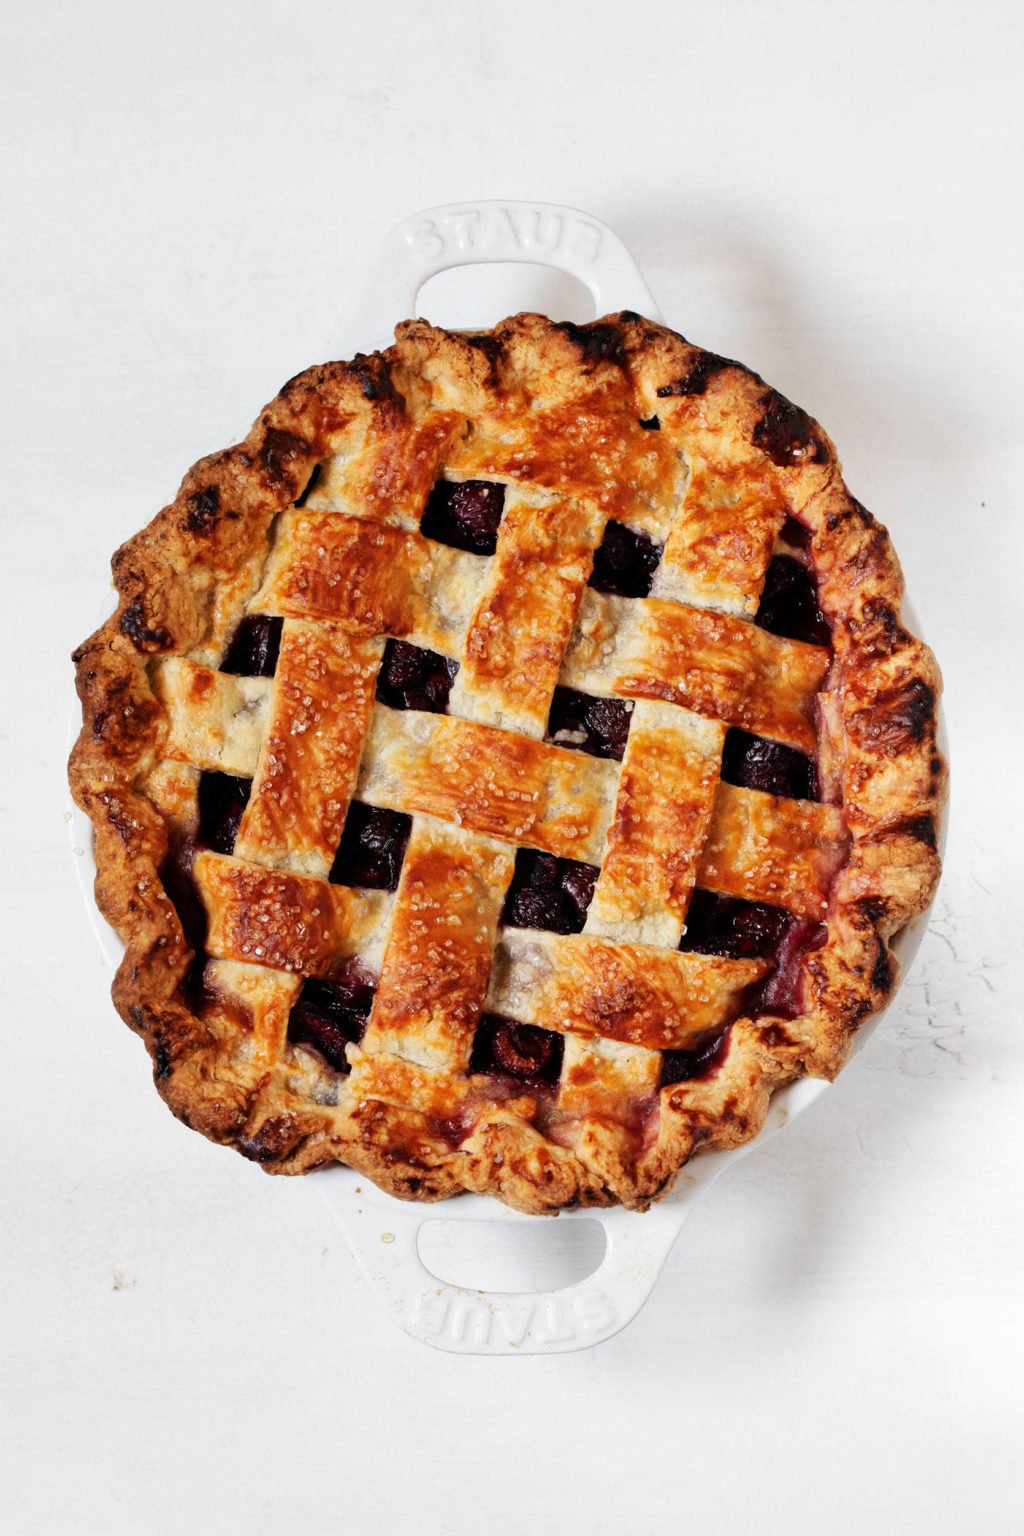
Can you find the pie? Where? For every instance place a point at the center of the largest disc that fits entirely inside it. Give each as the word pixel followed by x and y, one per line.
pixel 508 766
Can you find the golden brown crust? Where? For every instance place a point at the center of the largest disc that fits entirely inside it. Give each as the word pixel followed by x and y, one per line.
pixel 499 783
pixel 156 710
pixel 706 661
pixel 780 851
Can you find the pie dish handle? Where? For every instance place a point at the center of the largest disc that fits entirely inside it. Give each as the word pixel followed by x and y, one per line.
pixel 475 233
pixel 384 1237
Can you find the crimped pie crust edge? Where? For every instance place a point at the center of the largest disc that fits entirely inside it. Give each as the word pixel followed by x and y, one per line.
pixel 881 712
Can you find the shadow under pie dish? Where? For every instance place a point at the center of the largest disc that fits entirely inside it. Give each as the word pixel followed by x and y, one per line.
pixel 508 766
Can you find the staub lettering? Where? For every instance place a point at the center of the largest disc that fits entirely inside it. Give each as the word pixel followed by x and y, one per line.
pixel 476 1323
pixel 515 231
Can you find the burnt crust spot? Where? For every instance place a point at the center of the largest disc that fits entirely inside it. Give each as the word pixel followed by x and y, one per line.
pixel 123 720
pixel 134 627
pixel 854 510
pixel 882 971
pixel 486 343
pixel 599 342
pixel 700 373
pixel 774 1036
pixel 281 453
pixel 202 508
pixel 887 634
pixel 373 374
pixel 163 1062
pixel 899 720
pixel 787 434
pixel 921 829
pixel 276 1137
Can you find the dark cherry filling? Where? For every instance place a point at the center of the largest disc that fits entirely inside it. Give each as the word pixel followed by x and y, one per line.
pixel 521 1051
pixel 597 726
pixel 178 882
pixel 684 1066
pixel 781 992
pixel 795 533
pixel 465 515
pixel 255 646
pixel 789 603
pixel 413 678
pixel 726 925
pixel 222 799
pixel 625 562
pixel 372 847
pixel 755 762
pixel 752 930
pixel 328 1015
pixel 549 893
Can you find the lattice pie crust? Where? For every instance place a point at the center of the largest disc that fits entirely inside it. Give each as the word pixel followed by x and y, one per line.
pixel 309 533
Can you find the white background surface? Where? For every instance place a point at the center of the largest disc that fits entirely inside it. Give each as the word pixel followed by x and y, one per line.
pixel 830 193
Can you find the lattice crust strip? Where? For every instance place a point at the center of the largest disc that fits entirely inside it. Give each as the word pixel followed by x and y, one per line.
pixel 388 465
pixel 255 1004
pixel 500 784
pixel 664 803
pixel 284 921
pixel 213 720
pixel 710 662
pixel 520 627
pixel 437 960
pixel 350 569
pixel 306 770
pixel 371 580
pixel 763 848
pixel 637 994
pixel 720 540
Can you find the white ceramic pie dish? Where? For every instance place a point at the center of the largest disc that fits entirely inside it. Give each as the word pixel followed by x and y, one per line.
pixel 385 1233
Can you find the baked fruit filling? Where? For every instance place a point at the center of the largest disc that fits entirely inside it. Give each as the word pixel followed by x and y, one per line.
pixel 372 848
pixel 597 726
pixel 625 562
pixel 413 678
pixel 549 893
pixel 465 515
pixel 331 1015
pixel 508 766
pixel 222 802
pixel 255 646
pixel 789 602
pixel 529 1056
